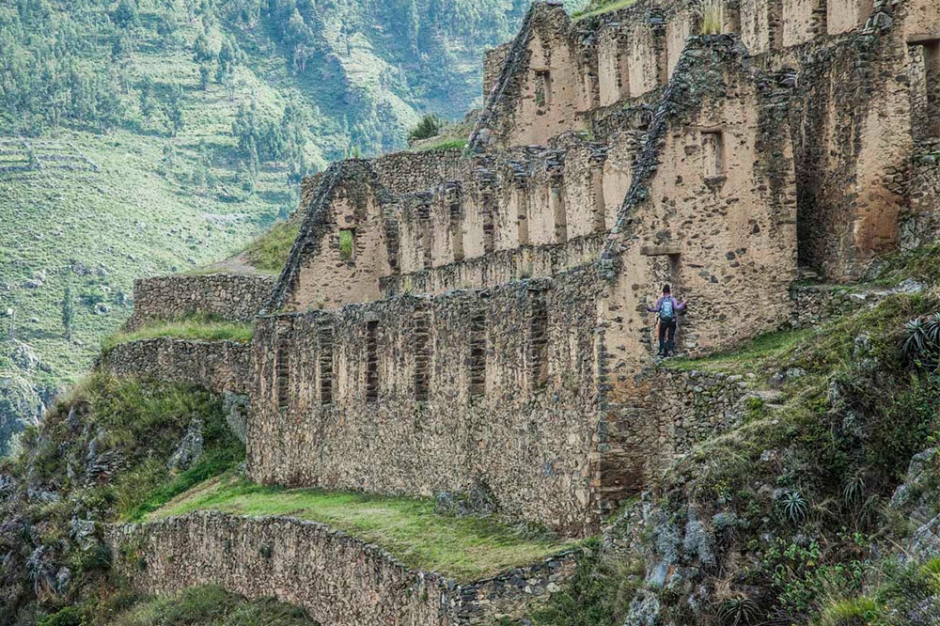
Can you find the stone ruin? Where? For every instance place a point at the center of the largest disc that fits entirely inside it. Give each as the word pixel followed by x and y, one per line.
pixel 457 318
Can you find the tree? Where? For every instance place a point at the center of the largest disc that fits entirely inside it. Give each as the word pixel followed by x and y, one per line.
pixel 429 126
pixel 173 107
pixel 228 58
pixel 202 49
pixel 126 14
pixel 204 72
pixel 68 312
pixel 146 98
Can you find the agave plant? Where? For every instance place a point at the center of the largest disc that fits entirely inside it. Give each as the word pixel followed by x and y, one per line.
pixel 738 611
pixel 794 506
pixel 922 341
pixel 854 488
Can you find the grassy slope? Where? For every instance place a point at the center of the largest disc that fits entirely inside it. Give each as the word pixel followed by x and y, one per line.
pixel 100 454
pixel 205 606
pixel 115 212
pixel 466 548
pixel 195 327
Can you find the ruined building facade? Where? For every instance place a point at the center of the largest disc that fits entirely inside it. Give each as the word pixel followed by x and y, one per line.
pixel 453 319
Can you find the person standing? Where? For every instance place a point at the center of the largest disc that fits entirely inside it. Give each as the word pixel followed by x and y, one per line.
pixel 668 309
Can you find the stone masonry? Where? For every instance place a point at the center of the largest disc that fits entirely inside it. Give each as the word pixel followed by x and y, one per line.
pixel 219 366
pixel 236 297
pixel 449 320
pixel 339 579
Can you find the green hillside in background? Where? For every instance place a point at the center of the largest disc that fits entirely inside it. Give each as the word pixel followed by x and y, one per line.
pixel 143 137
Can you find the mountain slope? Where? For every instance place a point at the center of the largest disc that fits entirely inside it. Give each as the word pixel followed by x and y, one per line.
pixel 140 137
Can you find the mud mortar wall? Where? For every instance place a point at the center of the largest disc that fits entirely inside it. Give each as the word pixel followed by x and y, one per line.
pixel 711 211
pixel 229 296
pixel 219 366
pixel 920 222
pixel 420 395
pixel 818 304
pixel 477 221
pixel 339 579
pixel 496 268
pixel 687 407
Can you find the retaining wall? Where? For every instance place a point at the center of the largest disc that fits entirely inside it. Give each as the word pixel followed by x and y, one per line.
pixel 236 297
pixel 220 366
pixel 340 580
pixel 815 304
pixel 679 409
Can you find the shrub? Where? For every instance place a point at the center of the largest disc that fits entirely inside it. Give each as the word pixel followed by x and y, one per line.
pixel 429 126
pixel 922 342
pixel 598 595
pixel 856 612
pixel 69 616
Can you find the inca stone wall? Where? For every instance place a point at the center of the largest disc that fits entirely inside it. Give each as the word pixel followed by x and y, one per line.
pixel 340 580
pixel 417 395
pixel 816 304
pixel 219 366
pixel 683 408
pixel 230 296
pixel 920 224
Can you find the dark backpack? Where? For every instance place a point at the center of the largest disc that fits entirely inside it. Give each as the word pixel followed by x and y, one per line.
pixel 667 312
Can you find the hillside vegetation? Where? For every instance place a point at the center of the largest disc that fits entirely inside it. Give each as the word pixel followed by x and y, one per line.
pixel 821 507
pixel 143 137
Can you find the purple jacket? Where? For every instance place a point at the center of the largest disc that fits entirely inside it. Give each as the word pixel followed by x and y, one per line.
pixel 676 306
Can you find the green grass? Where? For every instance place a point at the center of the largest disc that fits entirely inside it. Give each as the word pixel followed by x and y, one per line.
pixel 269 252
pixel 465 548
pixel 600 7
pixel 198 327
pixel 446 144
pixel 205 606
pixel 750 356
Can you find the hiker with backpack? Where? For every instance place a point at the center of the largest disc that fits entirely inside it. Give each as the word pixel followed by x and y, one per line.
pixel 668 309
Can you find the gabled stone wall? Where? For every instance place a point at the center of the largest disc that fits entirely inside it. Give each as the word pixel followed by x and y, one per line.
pixel 236 297
pixel 710 207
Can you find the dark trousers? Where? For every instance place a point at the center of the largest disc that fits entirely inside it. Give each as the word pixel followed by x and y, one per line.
pixel 667 337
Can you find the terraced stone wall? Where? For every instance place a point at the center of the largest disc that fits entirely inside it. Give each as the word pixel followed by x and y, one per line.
pixel 417 395
pixel 920 222
pixel 683 408
pixel 816 304
pixel 230 296
pixel 340 580
pixel 220 366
